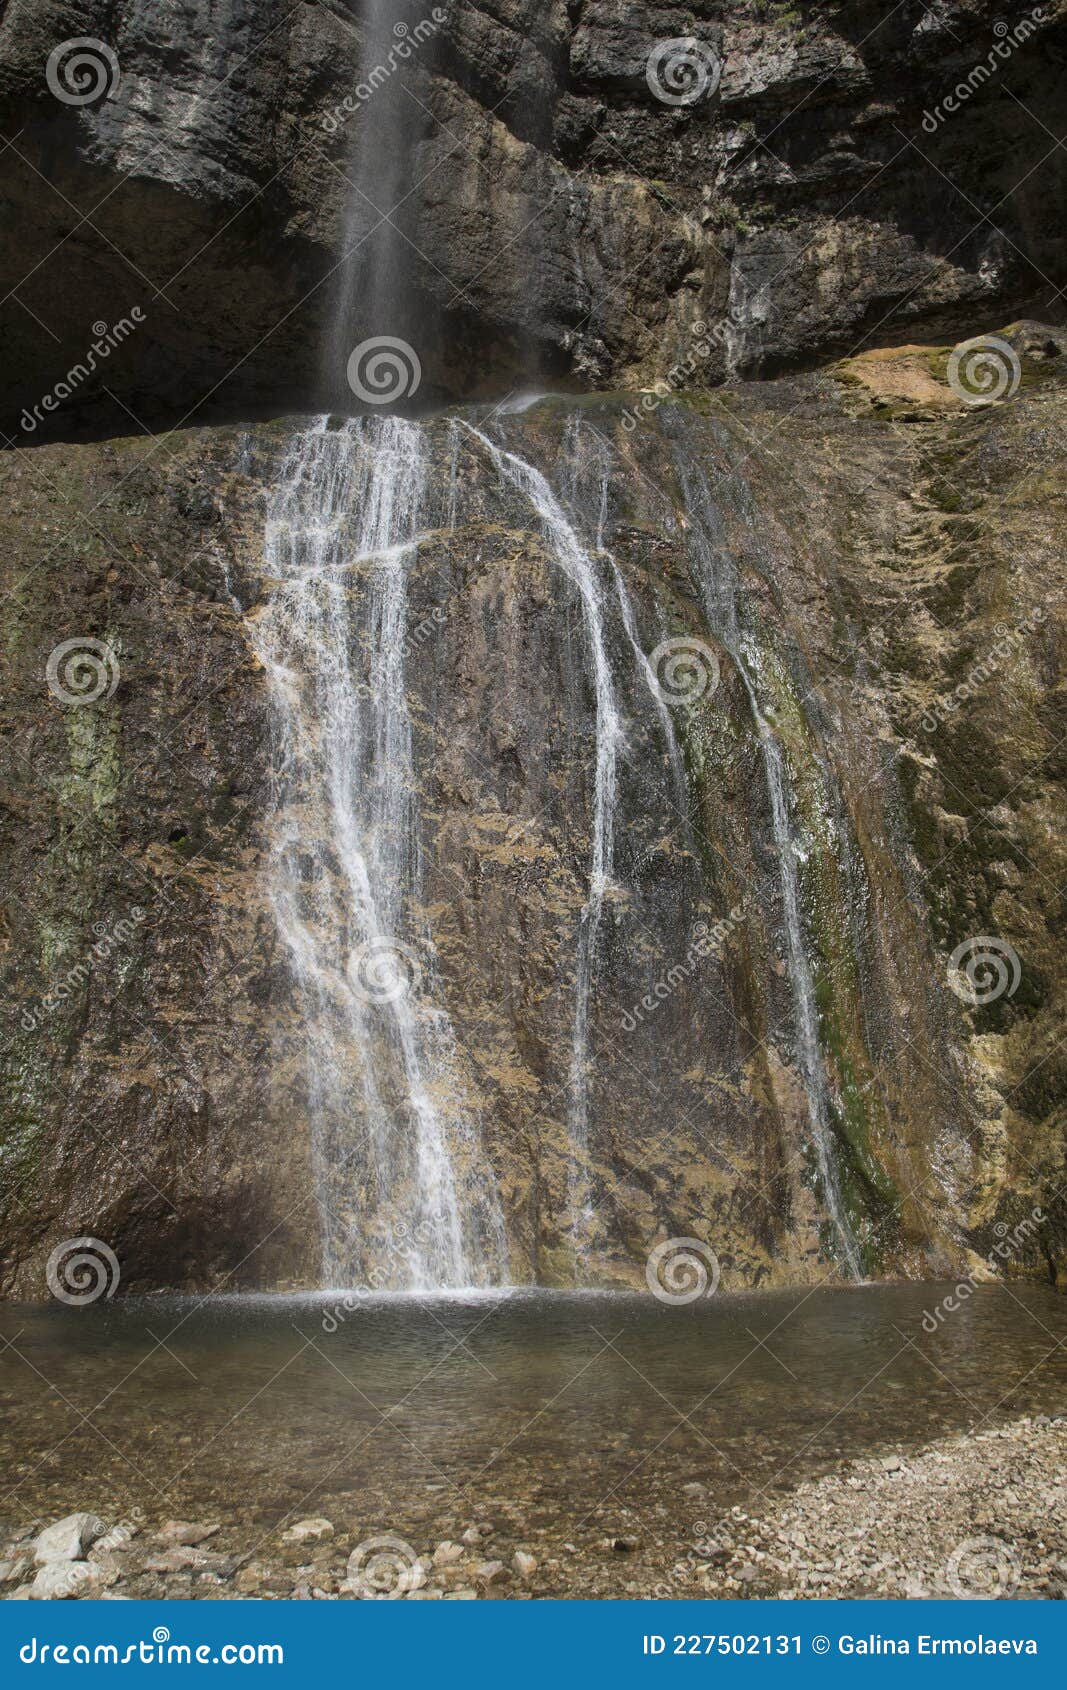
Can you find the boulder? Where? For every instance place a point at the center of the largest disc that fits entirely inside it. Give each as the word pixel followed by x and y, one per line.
pixel 69 1539
pixel 63 1579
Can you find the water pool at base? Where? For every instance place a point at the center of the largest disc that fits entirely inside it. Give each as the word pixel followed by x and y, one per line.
pixel 561 1418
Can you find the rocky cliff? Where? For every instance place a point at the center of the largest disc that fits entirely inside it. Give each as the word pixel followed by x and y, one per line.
pixel 871 569
pixel 813 179
pixel 701 723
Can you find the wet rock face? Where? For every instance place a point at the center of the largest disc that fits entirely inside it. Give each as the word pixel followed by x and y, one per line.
pixel 842 563
pixel 134 1080
pixel 825 191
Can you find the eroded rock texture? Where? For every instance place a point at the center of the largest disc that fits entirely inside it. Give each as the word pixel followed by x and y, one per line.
pixel 857 544
pixel 555 217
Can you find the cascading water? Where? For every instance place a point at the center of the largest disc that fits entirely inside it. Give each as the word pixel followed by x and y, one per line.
pixel 719 584
pixel 377 305
pixel 574 439
pixel 579 567
pixel 397 1143
pixel 405 1194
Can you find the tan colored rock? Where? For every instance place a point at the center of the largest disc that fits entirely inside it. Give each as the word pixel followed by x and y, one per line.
pixel 185 1532
pixel 492 1573
pixel 251 1578
pixel 308 1531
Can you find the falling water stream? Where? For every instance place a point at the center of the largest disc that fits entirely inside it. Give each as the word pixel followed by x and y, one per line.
pixel 572 447
pixel 341 533
pixel 372 291
pixel 405 1193
pixel 407 1196
pixel 579 567
pixel 719 583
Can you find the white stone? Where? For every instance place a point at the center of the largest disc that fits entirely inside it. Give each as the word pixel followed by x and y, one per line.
pixel 119 1537
pixel 69 1539
pixel 63 1579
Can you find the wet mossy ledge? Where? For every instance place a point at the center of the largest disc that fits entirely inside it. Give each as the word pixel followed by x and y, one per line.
pixel 895 560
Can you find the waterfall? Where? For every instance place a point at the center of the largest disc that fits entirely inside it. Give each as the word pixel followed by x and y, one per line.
pixel 573 438
pixel 576 563
pixel 720 587
pixel 406 1197
pixel 375 293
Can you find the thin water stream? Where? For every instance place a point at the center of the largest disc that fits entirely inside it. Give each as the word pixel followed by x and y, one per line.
pixel 397 1142
pixel 719 583
pixel 397 1150
pixel 579 566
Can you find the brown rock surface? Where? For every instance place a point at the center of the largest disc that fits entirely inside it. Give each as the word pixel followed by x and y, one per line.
pixel 556 214
pixel 156 1089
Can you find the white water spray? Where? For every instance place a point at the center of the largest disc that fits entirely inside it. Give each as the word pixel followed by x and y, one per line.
pixel 578 566
pixel 405 1193
pixel 720 587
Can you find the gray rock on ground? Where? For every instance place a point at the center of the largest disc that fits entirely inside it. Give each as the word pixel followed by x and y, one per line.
pixel 69 1539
